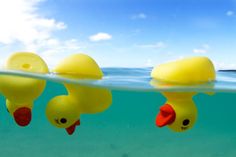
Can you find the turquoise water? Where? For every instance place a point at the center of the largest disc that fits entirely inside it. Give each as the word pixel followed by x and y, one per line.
pixel 127 128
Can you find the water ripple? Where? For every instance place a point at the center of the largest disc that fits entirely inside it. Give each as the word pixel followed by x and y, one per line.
pixel 137 79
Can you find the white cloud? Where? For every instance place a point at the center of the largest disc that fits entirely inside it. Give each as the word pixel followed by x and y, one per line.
pixel 139 16
pixel 203 49
pixel 54 49
pixel 206 22
pixel 100 36
pixel 149 63
pixel 206 46
pixel 224 66
pixel 199 51
pixel 54 46
pixel 20 22
pixel 230 13
pixel 24 28
pixel 157 45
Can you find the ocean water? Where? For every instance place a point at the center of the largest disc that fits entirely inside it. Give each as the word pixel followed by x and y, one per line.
pixel 127 128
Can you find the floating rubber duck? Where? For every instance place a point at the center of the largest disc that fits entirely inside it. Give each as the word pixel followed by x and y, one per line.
pixel 64 111
pixel 21 92
pixel 179 112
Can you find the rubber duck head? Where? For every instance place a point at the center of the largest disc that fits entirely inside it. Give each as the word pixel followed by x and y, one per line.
pixel 179 113
pixel 62 112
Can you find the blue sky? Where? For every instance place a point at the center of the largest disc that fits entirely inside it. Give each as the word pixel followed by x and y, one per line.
pixel 123 33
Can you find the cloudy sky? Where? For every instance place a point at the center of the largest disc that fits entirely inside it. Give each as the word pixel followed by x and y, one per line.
pixel 123 33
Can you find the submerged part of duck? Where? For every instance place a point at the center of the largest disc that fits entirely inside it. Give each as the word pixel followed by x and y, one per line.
pixel 21 92
pixel 179 112
pixel 64 111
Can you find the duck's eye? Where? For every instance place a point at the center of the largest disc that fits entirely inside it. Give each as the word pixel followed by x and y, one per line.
pixel 63 120
pixel 7 110
pixel 186 122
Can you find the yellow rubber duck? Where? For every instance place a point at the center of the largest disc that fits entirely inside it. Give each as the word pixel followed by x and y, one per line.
pixel 179 112
pixel 64 111
pixel 21 92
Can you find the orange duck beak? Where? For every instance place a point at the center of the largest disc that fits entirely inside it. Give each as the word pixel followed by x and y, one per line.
pixel 165 116
pixel 70 130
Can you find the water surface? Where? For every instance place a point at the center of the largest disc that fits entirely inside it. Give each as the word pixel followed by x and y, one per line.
pixel 127 128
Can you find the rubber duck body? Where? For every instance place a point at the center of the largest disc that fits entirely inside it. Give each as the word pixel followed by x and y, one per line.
pixel 179 112
pixel 64 111
pixel 21 92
